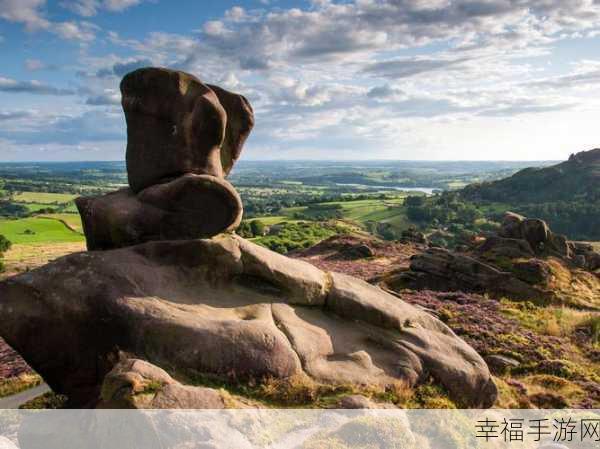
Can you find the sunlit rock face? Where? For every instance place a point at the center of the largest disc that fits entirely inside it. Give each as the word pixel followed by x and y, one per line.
pixel 230 308
pixel 183 137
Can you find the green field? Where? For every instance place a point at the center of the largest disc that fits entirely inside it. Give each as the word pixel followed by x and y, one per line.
pixel 34 207
pixel 361 211
pixel 73 220
pixel 43 197
pixel 272 220
pixel 38 230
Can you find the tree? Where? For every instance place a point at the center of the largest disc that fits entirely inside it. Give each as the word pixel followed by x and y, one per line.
pixel 257 227
pixel 5 245
pixel 244 230
pixel 414 200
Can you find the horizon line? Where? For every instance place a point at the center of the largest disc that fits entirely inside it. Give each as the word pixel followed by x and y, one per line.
pixel 300 160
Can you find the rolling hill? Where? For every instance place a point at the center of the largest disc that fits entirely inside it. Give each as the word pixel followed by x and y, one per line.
pixel 566 195
pixel 578 178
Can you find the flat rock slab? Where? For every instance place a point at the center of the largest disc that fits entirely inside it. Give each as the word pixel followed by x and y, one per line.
pixel 230 308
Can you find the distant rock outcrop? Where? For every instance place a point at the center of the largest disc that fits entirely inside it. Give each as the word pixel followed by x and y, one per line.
pixel 183 137
pixel 526 260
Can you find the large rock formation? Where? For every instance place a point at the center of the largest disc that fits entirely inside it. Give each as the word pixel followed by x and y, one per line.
pixel 183 137
pixel 221 307
pixel 229 308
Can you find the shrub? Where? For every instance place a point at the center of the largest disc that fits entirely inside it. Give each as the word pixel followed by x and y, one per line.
pixel 257 227
pixel 5 244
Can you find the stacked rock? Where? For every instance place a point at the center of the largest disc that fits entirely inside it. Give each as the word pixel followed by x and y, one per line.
pixel 222 307
pixel 183 138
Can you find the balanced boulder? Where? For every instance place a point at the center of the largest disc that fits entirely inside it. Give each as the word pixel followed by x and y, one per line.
pixel 183 137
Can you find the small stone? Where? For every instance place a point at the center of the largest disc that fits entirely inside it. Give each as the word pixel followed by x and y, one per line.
pixel 355 401
pixel 500 364
pixel 358 252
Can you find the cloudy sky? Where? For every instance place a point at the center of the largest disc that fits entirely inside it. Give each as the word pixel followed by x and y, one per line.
pixel 355 79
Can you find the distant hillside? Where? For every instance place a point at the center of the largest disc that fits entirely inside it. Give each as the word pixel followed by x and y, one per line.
pixel 575 179
pixel 566 195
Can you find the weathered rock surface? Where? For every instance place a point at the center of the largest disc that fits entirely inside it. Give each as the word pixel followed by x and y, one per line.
pixel 176 124
pixel 584 252
pixel 443 270
pixel 536 233
pixel 500 364
pixel 135 383
pixel 361 251
pixel 190 206
pixel 183 137
pixel 414 236
pixel 357 401
pixel 496 246
pixel 526 260
pixel 223 307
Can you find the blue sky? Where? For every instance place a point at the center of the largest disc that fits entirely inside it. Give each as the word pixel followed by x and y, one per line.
pixel 328 79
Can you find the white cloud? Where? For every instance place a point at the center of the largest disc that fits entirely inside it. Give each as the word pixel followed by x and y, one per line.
pixel 345 30
pixel 91 125
pixel 120 5
pixel 585 75
pixel 236 14
pixel 77 31
pixel 406 67
pixel 14 115
pixel 89 8
pixel 31 87
pixel 368 78
pixel 110 97
pixel 31 14
pixel 26 12
pixel 84 8
pixel 53 151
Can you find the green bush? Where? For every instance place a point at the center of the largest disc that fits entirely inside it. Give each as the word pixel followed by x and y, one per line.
pixel 5 245
pixel 293 236
pixel 257 227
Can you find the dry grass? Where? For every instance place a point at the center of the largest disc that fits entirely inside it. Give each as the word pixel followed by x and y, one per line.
pixel 23 257
pixel 578 288
pixel 302 390
pixel 17 384
pixel 48 400
pixel 561 322
pixel 551 320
